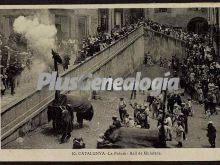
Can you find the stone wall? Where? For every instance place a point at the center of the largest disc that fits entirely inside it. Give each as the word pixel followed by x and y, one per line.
pixel 119 59
pixel 162 45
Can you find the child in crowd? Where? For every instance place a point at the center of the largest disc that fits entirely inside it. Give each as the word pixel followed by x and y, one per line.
pixel 189 106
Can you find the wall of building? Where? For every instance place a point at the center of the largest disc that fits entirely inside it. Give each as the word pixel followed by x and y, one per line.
pixel 71 26
pixel 214 23
pixel 174 15
pixel 91 20
pixel 160 45
pixel 31 111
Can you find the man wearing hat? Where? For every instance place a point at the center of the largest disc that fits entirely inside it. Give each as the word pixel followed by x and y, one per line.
pixel 12 73
pixel 121 108
pixel 136 108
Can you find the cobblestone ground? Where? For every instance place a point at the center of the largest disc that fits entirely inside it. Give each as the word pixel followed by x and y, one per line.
pixel 43 137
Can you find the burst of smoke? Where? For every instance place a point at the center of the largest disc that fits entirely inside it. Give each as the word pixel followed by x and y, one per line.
pixel 40 34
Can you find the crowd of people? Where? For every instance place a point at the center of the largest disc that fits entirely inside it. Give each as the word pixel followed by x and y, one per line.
pixel 93 44
pixel 200 78
pixel 199 70
pixel 177 33
pixel 174 119
pixel 15 61
pixel 199 74
pixel 140 119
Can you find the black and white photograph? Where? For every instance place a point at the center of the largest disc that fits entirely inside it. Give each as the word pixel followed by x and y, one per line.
pixel 110 78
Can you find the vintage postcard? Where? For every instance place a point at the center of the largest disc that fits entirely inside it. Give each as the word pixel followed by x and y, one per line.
pixel 110 82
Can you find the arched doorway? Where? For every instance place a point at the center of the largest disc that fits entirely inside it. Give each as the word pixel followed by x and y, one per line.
pixel 198 25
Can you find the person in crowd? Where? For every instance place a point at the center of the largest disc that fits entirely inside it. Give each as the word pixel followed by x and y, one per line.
pixel 146 55
pixel 185 112
pixel 179 134
pixel 66 62
pixel 146 105
pixel 155 108
pixel 2 85
pixel 213 103
pixel 200 95
pixel 136 108
pixel 168 122
pixel 102 142
pixel 208 115
pixel 116 122
pixel 109 131
pixel 67 124
pixel 131 123
pixel 207 104
pixel 121 108
pixel 211 134
pixel 161 133
pixel 143 117
pixel 170 104
pixel 189 107
pixel 12 72
pixel 78 143
pixel 126 120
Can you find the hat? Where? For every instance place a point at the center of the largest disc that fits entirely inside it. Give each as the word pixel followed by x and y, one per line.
pixel 142 106
pixel 210 122
pixel 138 126
pixel 181 114
pixel 138 106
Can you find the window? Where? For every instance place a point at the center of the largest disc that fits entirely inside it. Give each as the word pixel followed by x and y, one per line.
pixel 103 19
pixel 62 25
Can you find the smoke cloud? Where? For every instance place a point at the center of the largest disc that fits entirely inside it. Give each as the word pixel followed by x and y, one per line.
pixel 40 33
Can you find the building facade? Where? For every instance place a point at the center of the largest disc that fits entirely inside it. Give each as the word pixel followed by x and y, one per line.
pixel 192 19
pixel 214 23
pixel 70 24
pixel 109 18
